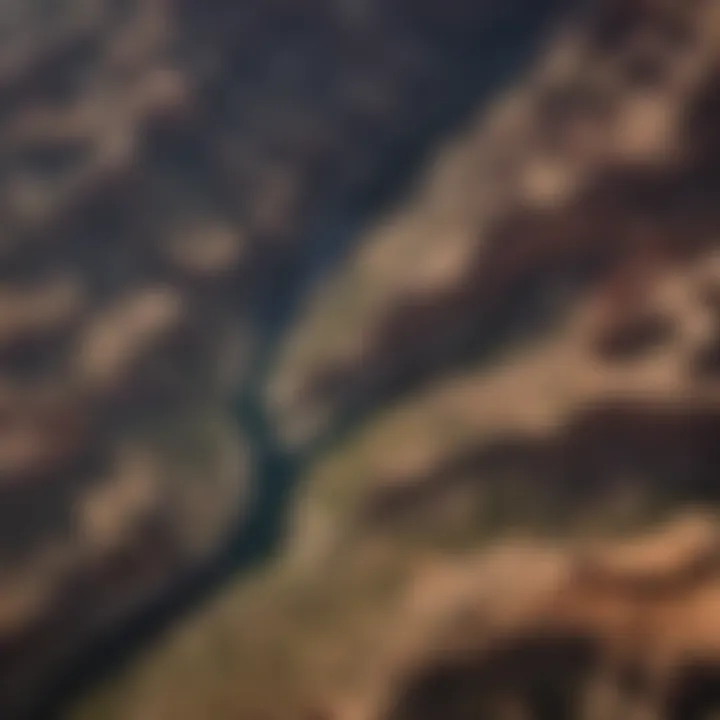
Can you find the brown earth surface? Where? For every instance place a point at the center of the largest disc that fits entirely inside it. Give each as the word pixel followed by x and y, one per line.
pixel 477 378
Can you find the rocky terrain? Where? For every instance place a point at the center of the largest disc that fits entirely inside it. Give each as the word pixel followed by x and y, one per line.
pixel 172 175
pixel 625 629
pixel 443 278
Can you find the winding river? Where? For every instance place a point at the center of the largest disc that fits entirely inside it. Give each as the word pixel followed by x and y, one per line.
pixel 275 471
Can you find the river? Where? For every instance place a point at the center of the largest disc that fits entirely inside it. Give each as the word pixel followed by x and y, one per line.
pixel 274 469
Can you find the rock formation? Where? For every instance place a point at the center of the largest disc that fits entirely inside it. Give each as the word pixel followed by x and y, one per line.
pixel 212 205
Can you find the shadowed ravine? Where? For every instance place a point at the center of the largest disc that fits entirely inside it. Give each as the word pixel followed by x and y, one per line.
pixel 509 49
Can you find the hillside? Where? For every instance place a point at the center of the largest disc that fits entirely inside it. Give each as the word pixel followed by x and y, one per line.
pixel 174 175
pixel 350 324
